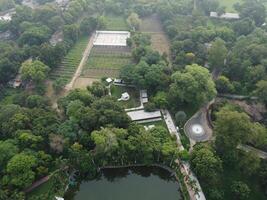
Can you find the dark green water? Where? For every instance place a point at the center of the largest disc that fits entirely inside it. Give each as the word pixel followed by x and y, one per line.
pixel 141 183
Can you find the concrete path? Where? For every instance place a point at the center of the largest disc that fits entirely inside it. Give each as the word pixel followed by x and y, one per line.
pixel 82 63
pixel 184 166
pixel 171 127
pixel 261 154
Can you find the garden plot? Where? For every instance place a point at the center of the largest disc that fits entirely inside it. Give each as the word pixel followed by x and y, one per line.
pixel 116 23
pixel 106 61
pixel 70 62
pixel 159 41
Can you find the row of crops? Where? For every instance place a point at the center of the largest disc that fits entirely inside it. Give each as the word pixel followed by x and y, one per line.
pixel 70 63
pixel 106 62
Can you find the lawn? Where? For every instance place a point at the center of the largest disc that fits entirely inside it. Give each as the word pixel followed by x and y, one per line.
pixel 71 61
pixel 159 40
pixel 229 4
pixel 116 23
pixel 157 123
pixel 134 100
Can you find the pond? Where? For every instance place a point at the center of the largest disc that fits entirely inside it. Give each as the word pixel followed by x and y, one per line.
pixel 139 183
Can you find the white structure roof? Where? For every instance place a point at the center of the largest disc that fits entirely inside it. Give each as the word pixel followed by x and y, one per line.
pixel 7 17
pixel 213 14
pixel 109 80
pixel 111 38
pixel 143 93
pixel 143 115
pixel 230 16
pixel 125 96
pixel 225 15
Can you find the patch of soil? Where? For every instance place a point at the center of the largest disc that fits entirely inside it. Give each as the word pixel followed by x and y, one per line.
pixel 83 82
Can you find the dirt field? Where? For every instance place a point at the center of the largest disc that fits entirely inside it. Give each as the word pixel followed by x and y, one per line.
pixel 82 82
pixel 159 40
pixel 101 72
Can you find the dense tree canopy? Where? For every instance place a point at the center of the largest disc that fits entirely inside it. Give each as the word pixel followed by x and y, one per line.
pixel 194 85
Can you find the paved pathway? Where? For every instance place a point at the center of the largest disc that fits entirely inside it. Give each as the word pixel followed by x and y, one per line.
pixel 82 63
pixel 171 127
pixel 184 166
pixel 261 154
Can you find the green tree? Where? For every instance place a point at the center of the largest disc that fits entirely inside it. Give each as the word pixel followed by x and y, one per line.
pixel 240 190
pixel 249 163
pixel 194 86
pixel 261 90
pixel 7 150
pixel 20 170
pixel 98 89
pixel 160 100
pixel 206 164
pixel 223 85
pixel 231 128
pixel 35 71
pixel 134 21
pixel 217 54
pixel 180 117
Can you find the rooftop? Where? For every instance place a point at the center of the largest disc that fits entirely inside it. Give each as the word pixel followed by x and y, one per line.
pixel 111 38
pixel 143 115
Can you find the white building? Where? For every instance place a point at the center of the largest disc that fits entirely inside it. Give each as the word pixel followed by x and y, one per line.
pixel 124 97
pixel 111 38
pixel 141 115
pixel 7 17
pixel 225 15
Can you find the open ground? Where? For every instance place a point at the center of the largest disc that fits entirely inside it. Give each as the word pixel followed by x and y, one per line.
pixel 159 41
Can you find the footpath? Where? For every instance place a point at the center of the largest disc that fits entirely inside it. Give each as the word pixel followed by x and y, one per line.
pixel 194 190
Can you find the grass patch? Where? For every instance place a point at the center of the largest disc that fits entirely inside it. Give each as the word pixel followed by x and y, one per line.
pixel 134 101
pixel 229 4
pixel 116 23
pixel 157 123
pixel 71 61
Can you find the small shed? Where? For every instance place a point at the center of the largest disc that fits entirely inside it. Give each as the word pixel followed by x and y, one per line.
pixel 125 96
pixel 109 80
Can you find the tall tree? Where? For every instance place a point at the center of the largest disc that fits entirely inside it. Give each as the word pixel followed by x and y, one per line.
pixel 194 85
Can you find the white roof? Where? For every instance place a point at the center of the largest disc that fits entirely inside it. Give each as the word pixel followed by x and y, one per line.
pixel 111 38
pixel 6 17
pixel 225 15
pixel 143 93
pixel 230 16
pixel 213 14
pixel 59 198
pixel 109 80
pixel 144 100
pixel 143 115
pixel 125 95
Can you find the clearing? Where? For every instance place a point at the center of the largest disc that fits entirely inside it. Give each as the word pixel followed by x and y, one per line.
pixel 116 23
pixel 159 40
pixel 229 4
